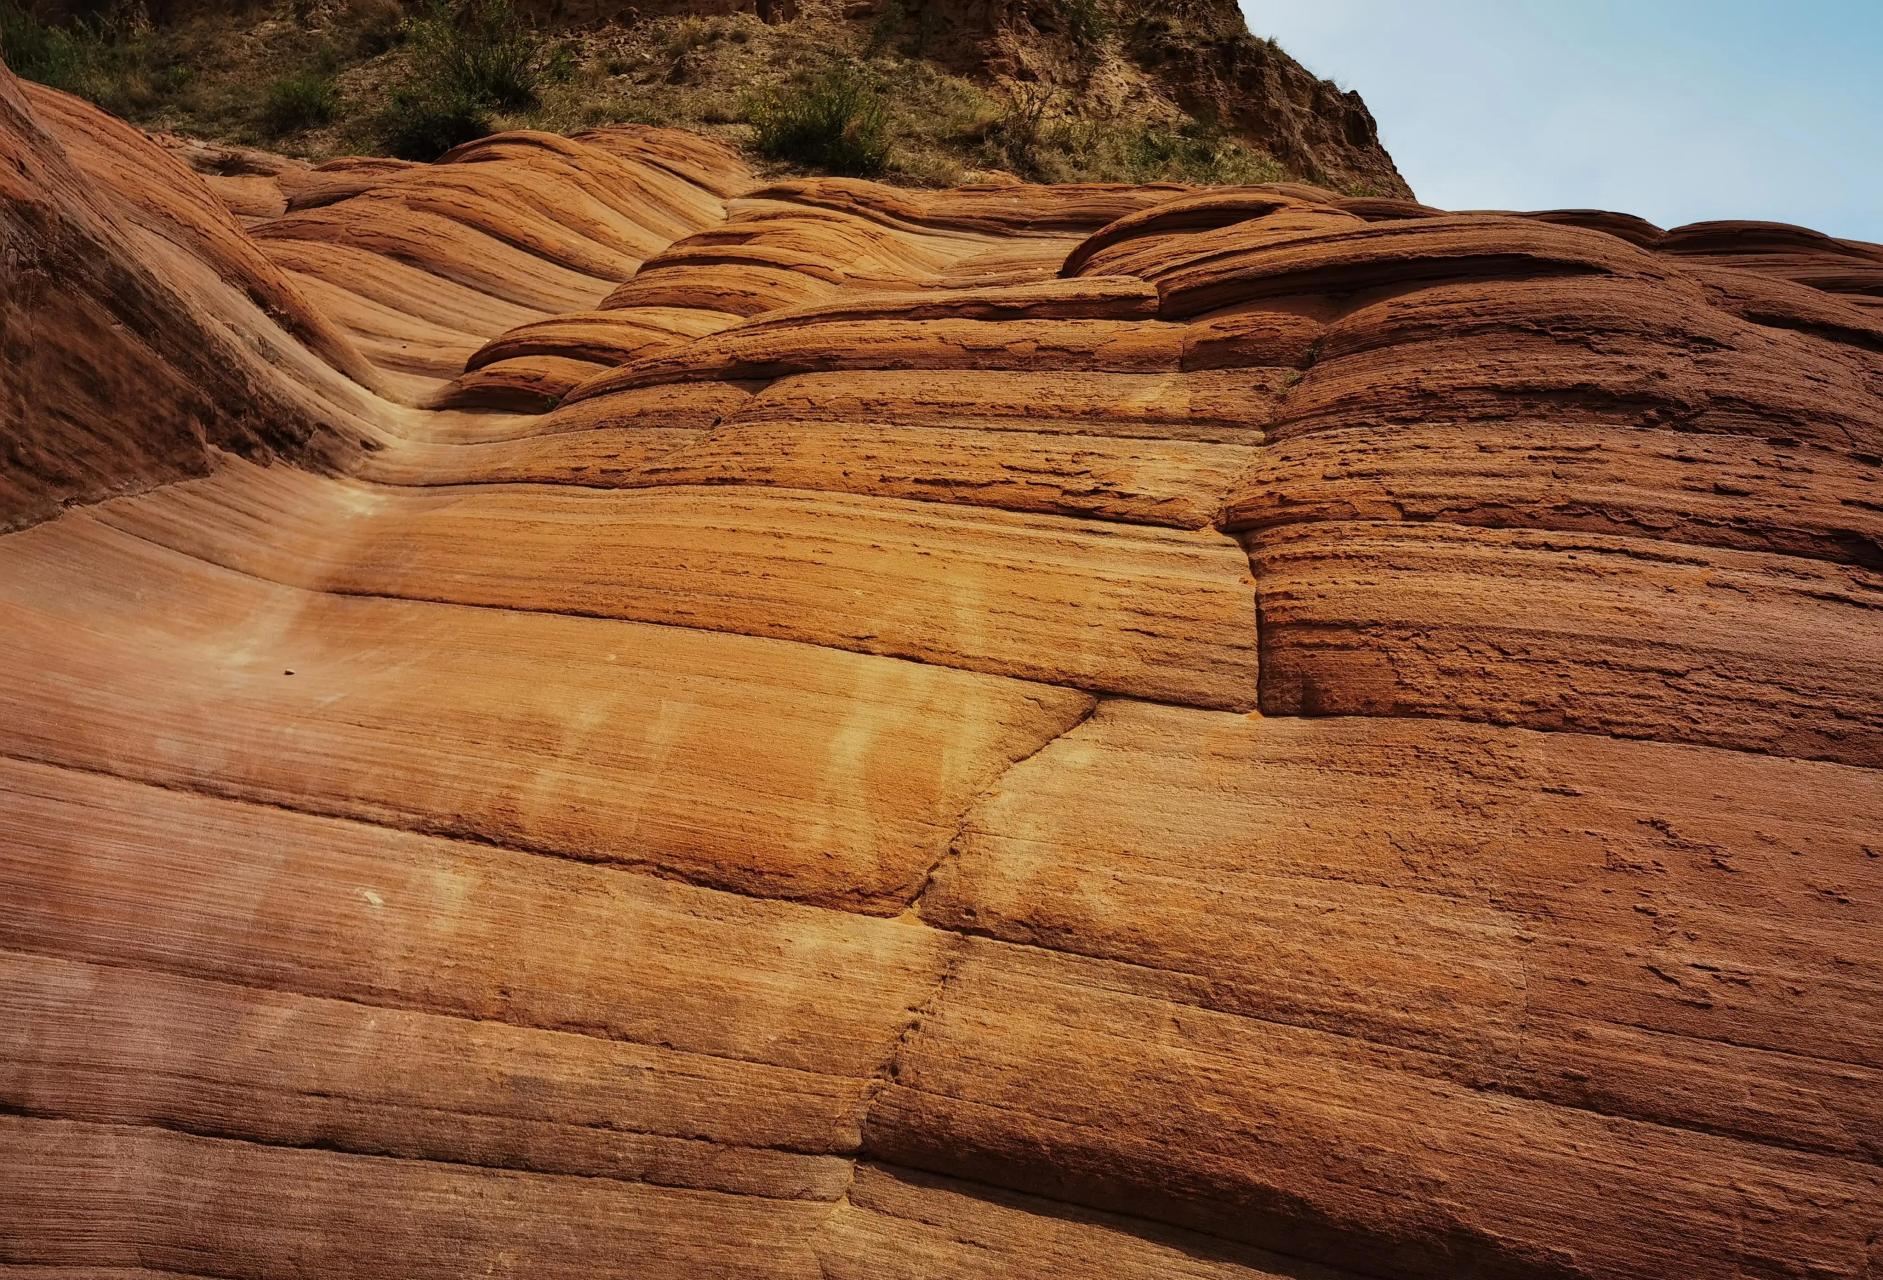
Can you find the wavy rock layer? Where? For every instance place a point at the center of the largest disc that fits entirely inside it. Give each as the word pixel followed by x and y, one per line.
pixel 591 715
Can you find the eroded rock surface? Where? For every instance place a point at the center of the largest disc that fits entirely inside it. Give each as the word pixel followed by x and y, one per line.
pixel 574 712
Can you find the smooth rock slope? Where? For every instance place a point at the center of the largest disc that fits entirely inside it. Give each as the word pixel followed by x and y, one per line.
pixel 572 711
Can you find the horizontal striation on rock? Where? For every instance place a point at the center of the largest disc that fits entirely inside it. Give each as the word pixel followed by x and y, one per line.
pixel 1302 1140
pixel 248 1209
pixel 1518 907
pixel 1036 597
pixel 574 710
pixel 281 695
pixel 1592 632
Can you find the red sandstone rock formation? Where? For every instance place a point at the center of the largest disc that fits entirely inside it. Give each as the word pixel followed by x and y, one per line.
pixel 635 722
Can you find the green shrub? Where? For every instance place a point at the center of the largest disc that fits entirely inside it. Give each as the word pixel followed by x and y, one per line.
pixel 477 51
pixel 301 101
pixel 836 121
pixel 37 51
pixel 110 58
pixel 1018 136
pixel 467 58
pixel 1086 22
pixel 420 125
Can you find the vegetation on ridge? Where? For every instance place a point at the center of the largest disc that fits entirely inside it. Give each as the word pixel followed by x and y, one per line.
pixel 325 77
pixel 110 58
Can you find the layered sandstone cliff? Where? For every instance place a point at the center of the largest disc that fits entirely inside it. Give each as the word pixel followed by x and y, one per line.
pixel 571 712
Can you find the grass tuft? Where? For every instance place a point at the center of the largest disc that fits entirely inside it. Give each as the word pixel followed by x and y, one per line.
pixel 1033 139
pixel 835 121
pixel 1193 152
pixel 480 51
pixel 423 125
pixel 305 100
pixel 1020 134
pixel 468 57
pixel 1086 22
pixel 110 58
pixel 39 51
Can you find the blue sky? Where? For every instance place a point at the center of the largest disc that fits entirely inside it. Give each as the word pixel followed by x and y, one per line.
pixel 1676 110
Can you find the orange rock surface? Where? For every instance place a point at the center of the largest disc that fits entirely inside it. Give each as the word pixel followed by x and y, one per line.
pixel 574 712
